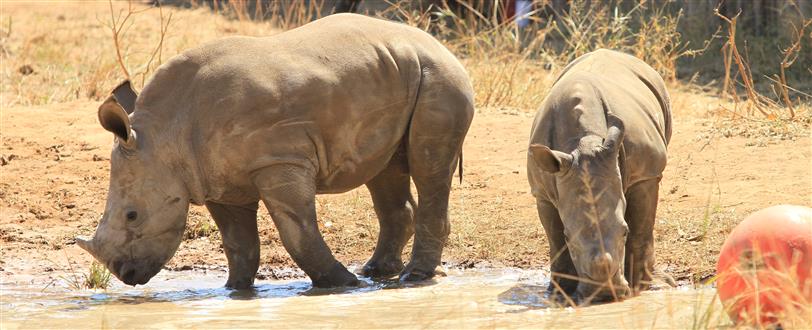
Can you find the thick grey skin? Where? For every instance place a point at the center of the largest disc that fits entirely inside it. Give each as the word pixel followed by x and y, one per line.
pixel 341 102
pixel 596 157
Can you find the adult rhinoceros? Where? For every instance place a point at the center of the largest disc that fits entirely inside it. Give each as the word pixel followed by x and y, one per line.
pixel 596 156
pixel 344 101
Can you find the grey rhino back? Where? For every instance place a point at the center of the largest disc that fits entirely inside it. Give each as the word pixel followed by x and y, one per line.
pixel 620 77
pixel 334 96
pixel 336 49
pixel 607 81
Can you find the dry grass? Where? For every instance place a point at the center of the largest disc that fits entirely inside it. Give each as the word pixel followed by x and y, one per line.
pixel 514 68
pixel 71 55
pixel 96 277
pixel 60 58
pixel 199 225
pixel 771 292
pixel 755 101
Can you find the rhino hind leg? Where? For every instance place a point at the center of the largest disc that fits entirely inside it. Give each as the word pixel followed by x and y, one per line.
pixel 563 279
pixel 641 209
pixel 394 206
pixel 238 227
pixel 436 133
pixel 431 228
pixel 289 193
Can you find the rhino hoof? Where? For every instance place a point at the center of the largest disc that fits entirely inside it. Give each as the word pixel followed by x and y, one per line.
pixel 415 275
pixel 382 269
pixel 344 283
pixel 240 284
pixel 661 277
pixel 338 277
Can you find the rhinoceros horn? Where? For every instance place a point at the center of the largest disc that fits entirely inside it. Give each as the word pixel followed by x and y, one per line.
pixel 87 245
pixel 614 136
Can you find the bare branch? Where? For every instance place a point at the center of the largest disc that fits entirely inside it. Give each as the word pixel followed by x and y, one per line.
pixel 116 24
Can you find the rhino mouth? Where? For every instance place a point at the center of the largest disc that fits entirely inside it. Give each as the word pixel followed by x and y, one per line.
pixel 134 271
pixel 590 294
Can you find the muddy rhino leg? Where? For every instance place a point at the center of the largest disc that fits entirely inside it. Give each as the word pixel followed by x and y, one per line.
pixel 436 134
pixel 562 270
pixel 394 206
pixel 289 193
pixel 238 227
pixel 431 228
pixel 641 209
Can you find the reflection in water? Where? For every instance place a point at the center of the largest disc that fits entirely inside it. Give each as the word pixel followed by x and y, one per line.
pixel 530 295
pixel 472 298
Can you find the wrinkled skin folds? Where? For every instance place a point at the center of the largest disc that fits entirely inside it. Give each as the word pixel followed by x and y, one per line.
pixel 597 152
pixel 145 215
pixel 344 101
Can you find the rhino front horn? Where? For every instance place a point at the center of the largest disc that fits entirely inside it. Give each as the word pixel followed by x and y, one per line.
pixel 87 245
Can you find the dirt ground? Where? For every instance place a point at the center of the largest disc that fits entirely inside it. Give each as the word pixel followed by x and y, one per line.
pixel 55 164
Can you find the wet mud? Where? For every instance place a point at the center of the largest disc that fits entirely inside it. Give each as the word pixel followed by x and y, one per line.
pixel 481 298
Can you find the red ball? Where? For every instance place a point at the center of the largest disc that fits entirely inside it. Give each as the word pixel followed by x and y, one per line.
pixel 764 266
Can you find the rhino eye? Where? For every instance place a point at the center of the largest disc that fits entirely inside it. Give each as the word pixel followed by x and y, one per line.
pixel 132 215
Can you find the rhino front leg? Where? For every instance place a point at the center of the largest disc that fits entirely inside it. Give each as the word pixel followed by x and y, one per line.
pixel 641 209
pixel 562 270
pixel 238 227
pixel 289 193
pixel 394 207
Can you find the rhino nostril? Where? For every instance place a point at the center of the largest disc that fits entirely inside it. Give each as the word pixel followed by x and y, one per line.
pixel 127 272
pixel 116 267
pixel 128 276
pixel 604 259
pixel 602 265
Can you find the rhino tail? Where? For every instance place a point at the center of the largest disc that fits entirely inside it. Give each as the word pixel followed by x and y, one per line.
pixel 460 166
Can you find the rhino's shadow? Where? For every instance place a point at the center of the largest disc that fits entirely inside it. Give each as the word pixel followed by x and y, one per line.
pixel 532 296
pixel 535 296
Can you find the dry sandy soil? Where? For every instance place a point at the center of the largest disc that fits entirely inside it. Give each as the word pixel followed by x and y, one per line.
pixel 55 164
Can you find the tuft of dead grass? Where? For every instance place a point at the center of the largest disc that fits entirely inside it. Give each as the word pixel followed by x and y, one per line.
pixel 514 68
pixel 200 225
pixel 96 277
pixel 754 101
pixel 72 56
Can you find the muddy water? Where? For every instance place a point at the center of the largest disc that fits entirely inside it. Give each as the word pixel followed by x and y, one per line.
pixel 471 299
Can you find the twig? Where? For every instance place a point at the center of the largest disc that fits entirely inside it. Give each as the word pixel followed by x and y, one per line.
pixel 795 90
pixel 744 69
pixel 158 49
pixel 790 55
pixel 116 28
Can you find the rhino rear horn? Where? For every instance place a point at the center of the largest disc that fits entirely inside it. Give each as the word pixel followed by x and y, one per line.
pixel 549 160
pixel 614 134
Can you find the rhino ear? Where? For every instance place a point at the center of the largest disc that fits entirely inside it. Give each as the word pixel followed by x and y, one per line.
pixel 125 95
pixel 549 160
pixel 115 120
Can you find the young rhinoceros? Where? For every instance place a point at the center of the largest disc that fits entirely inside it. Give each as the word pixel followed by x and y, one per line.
pixel 596 156
pixel 344 101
